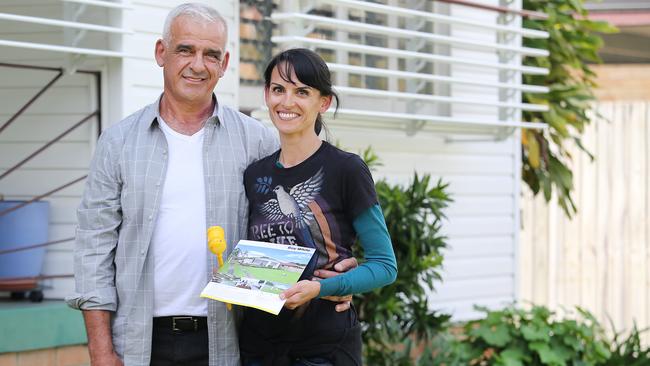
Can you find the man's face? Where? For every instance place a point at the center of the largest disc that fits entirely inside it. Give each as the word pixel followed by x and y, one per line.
pixel 193 59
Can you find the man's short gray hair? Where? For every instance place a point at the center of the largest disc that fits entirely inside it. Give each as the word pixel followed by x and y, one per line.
pixel 195 11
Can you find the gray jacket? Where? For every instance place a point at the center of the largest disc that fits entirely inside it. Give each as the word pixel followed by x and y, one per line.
pixel 113 270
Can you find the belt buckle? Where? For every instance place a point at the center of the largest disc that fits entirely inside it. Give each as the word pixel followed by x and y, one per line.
pixel 175 318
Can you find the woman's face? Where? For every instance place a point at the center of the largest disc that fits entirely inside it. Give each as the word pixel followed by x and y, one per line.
pixel 293 108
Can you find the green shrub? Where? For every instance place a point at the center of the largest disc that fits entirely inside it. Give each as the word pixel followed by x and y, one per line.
pixel 573 44
pixel 397 318
pixel 629 351
pixel 517 337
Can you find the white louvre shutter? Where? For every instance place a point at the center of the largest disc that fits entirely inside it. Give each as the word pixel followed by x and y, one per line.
pixel 77 27
pixel 413 61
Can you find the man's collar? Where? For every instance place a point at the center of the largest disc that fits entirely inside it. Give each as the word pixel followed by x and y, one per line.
pixel 153 112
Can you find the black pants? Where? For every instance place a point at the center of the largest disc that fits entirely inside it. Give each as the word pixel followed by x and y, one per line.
pixel 179 348
pixel 290 338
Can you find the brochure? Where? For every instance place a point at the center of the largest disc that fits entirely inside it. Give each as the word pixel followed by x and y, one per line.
pixel 256 273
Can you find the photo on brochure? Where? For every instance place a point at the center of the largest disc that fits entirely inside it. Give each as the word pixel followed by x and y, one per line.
pixel 256 273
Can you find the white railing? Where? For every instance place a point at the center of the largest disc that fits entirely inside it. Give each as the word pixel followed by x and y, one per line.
pixel 337 24
pixel 102 4
pixel 416 61
pixel 63 23
pixel 437 98
pixel 60 49
pixel 373 71
pixel 74 29
pixel 382 51
pixel 439 119
pixel 438 18
pixel 395 119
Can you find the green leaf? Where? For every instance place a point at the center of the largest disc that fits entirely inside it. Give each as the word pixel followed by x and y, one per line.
pixel 494 335
pixel 600 26
pixel 399 314
pixel 562 173
pixel 535 332
pixel 546 354
pixel 533 149
pixel 512 357
pixel 573 43
pixel 602 351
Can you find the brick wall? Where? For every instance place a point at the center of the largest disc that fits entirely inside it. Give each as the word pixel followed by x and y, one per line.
pixel 62 356
pixel 623 82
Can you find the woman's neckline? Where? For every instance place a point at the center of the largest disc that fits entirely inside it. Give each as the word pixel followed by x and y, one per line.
pixel 278 163
pixel 291 161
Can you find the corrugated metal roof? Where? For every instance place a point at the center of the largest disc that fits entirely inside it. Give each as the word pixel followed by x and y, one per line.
pixel 610 5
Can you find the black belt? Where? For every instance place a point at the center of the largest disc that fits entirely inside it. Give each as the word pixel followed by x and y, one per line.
pixel 181 323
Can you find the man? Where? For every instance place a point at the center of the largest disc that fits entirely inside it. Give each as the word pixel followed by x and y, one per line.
pixel 158 179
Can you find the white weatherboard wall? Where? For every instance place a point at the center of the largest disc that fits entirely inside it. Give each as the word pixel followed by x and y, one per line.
pixel 479 263
pixel 480 266
pixel 484 229
pixel 128 84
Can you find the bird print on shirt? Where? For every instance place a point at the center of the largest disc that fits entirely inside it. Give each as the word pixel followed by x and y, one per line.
pixel 294 204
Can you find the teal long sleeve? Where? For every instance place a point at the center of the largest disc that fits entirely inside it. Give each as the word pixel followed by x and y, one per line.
pixel 380 267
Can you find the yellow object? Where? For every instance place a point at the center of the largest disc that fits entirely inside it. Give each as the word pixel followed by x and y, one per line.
pixel 217 245
pixel 217 242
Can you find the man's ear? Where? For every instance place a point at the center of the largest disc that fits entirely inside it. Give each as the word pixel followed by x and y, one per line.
pixel 326 103
pixel 159 52
pixel 224 63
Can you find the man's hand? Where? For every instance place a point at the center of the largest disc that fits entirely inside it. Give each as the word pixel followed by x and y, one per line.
pixel 100 343
pixel 340 267
pixel 300 293
pixel 107 360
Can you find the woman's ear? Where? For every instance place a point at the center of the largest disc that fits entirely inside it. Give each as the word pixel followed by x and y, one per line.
pixel 326 102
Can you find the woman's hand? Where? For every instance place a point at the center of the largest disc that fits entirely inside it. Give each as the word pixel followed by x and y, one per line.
pixel 343 302
pixel 300 293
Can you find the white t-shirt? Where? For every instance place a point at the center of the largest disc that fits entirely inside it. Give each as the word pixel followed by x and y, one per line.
pixel 178 244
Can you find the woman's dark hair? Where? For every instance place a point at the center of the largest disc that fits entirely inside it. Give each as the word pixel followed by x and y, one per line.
pixel 310 70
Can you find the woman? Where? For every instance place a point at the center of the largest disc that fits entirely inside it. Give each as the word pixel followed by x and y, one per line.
pixel 310 193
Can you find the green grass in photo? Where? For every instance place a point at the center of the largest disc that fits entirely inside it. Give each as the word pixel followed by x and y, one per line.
pixel 272 289
pixel 274 275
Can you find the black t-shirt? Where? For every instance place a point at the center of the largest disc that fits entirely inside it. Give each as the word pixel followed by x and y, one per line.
pixel 312 204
